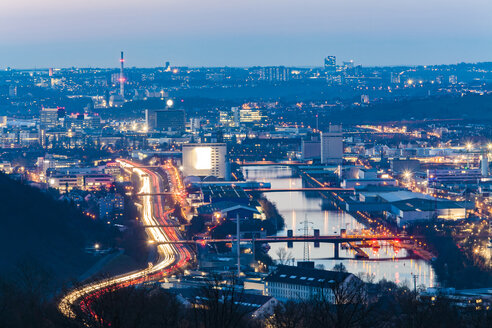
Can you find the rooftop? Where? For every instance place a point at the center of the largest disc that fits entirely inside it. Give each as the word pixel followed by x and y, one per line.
pixel 304 276
pixel 223 191
pixel 224 207
pixel 416 204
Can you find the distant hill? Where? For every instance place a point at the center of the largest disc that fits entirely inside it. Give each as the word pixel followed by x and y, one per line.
pixel 471 108
pixel 36 228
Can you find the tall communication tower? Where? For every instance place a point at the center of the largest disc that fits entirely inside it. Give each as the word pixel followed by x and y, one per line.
pixel 122 76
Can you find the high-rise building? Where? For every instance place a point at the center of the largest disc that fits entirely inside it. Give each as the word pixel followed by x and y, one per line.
pixel 49 117
pixel 169 120
pixel 330 63
pixel 205 159
pixel 332 145
pixel 484 165
pixel 274 73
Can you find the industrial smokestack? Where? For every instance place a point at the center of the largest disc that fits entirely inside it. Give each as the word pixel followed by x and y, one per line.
pixel 122 76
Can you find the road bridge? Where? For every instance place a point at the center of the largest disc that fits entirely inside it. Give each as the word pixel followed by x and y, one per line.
pixel 333 239
pixel 271 163
pixel 155 193
pixel 161 225
pixel 297 189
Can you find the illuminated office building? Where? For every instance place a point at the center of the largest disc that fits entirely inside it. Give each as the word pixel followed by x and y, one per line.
pixel 205 159
pixel 251 116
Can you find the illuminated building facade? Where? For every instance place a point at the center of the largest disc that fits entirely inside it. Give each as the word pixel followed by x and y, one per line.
pixel 454 176
pixel 205 159
pixel 253 116
pixel 230 119
pixel 274 73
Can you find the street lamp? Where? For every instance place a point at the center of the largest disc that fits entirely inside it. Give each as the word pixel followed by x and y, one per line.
pixel 407 175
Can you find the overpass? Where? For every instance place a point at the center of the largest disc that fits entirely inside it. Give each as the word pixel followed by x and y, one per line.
pixel 161 225
pixel 298 189
pixel 155 193
pixel 144 167
pixel 271 163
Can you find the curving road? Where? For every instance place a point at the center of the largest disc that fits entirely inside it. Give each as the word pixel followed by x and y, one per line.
pixel 171 257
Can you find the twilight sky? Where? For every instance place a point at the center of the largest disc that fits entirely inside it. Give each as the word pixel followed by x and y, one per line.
pixel 89 33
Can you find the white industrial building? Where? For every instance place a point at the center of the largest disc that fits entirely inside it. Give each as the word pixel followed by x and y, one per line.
pixel 304 284
pixel 332 145
pixel 205 159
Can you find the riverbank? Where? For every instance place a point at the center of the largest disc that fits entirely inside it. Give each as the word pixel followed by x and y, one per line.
pixel 275 221
pixel 385 262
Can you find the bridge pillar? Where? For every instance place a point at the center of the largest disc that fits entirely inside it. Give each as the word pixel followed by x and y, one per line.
pixel 337 250
pixel 290 234
pixel 316 235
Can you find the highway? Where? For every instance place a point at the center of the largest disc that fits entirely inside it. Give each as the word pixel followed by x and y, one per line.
pixel 160 229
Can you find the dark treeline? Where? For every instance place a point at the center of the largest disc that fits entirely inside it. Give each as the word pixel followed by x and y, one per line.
pixel 473 108
pixel 218 306
pixel 453 265
pixel 37 227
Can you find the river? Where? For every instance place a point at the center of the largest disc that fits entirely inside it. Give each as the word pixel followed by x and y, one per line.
pixel 383 263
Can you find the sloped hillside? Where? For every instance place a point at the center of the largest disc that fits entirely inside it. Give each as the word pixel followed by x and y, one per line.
pixel 35 228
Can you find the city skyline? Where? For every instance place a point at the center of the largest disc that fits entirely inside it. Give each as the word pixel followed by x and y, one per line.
pixel 233 164
pixel 243 34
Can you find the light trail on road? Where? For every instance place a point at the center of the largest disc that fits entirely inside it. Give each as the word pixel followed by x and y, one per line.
pixel 171 257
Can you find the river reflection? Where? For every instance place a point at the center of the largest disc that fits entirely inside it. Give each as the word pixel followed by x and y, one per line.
pixel 384 262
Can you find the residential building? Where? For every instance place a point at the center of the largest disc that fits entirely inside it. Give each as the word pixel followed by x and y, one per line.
pixel 111 206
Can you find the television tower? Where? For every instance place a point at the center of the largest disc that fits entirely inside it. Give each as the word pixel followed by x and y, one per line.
pixel 122 76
